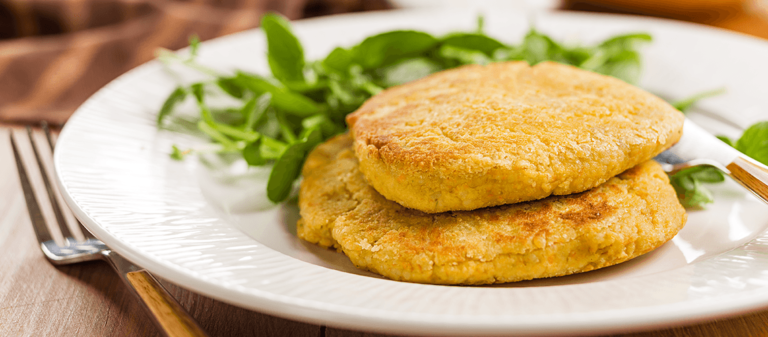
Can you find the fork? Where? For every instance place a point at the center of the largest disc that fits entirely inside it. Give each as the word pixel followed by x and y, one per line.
pixel 169 316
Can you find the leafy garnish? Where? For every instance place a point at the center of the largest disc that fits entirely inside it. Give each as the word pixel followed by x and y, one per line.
pixel 386 48
pixel 176 97
pixel 688 183
pixel 686 103
pixel 284 52
pixel 754 142
pixel 177 153
pixel 726 140
pixel 281 117
pixel 689 188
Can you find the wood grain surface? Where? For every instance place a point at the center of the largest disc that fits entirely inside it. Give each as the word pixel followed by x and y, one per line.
pixel 88 299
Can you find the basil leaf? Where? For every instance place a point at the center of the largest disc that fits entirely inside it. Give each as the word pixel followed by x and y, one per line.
pixel 539 47
pixel 272 148
pixel 689 190
pixel 287 168
pixel 624 66
pixel 626 41
pixel 252 154
pixel 387 48
pixel 176 97
pixel 726 140
pixel 707 174
pixel 322 122
pixel 464 56
pixel 230 86
pixel 311 137
pixel 478 42
pixel 256 109
pixel 754 142
pixel 282 98
pixel 284 52
pixel 407 71
pixel 338 60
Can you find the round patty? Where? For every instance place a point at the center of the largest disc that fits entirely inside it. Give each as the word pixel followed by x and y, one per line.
pixel 627 216
pixel 480 136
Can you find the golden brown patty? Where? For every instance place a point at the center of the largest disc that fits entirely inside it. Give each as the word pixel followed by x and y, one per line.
pixel 629 215
pixel 480 136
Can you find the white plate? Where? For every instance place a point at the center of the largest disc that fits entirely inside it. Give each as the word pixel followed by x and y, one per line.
pixel 213 233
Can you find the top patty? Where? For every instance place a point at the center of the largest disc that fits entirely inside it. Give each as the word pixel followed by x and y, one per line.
pixel 629 215
pixel 480 136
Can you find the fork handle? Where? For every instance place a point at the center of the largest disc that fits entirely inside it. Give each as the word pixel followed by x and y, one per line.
pixel 168 314
pixel 750 174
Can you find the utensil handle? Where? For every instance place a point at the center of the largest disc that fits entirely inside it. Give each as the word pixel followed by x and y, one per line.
pixel 168 314
pixel 750 174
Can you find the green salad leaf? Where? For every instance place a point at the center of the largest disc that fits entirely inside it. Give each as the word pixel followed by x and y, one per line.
pixel 684 104
pixel 284 52
pixel 754 142
pixel 386 48
pixel 279 118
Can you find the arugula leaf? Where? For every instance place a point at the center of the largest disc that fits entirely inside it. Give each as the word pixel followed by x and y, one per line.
pixel 686 103
pixel 386 48
pixel 176 97
pixel 754 142
pixel 284 52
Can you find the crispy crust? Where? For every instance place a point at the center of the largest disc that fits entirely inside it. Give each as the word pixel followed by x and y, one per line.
pixel 627 216
pixel 480 136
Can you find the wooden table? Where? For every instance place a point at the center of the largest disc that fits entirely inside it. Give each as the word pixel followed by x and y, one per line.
pixel 88 299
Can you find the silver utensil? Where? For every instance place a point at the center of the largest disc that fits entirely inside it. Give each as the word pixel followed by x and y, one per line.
pixel 698 147
pixel 169 316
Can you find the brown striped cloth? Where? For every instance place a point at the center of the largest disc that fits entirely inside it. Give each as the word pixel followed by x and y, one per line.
pixel 54 54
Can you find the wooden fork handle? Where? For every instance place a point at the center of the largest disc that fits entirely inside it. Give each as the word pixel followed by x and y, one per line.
pixel 750 174
pixel 168 314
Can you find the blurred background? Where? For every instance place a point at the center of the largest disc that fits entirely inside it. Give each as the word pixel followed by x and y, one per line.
pixel 54 54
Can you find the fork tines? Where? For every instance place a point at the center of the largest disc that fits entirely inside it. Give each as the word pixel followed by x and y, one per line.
pixel 36 183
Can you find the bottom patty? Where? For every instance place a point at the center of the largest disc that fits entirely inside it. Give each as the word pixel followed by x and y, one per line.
pixel 627 216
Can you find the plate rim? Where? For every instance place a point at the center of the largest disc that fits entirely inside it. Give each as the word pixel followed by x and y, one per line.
pixel 286 307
